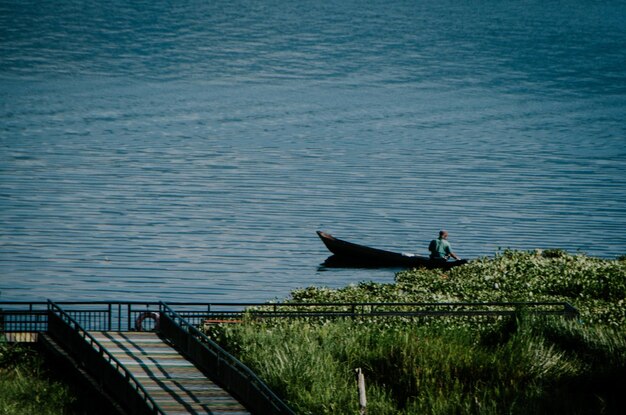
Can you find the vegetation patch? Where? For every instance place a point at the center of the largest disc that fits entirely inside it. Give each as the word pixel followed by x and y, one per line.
pixel 517 365
pixel 25 387
pixel 596 287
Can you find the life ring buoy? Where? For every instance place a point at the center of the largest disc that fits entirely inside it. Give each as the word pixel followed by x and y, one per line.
pixel 148 314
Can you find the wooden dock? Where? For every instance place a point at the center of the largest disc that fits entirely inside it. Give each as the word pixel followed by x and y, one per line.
pixel 171 380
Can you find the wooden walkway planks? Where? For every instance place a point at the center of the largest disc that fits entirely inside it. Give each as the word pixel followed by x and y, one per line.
pixel 174 383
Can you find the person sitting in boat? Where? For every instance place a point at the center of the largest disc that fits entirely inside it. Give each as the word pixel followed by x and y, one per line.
pixel 440 248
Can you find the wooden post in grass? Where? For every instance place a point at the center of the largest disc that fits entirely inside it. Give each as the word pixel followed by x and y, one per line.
pixel 362 397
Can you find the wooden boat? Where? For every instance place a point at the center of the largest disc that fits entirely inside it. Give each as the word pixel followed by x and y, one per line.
pixel 348 254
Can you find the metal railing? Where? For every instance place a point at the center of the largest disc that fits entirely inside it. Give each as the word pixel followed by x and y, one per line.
pixel 99 362
pixel 23 317
pixel 376 309
pixel 221 366
pixel 32 317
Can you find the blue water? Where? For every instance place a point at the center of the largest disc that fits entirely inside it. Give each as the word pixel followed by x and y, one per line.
pixel 189 150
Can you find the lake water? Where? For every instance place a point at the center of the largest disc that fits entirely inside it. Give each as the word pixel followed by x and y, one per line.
pixel 190 150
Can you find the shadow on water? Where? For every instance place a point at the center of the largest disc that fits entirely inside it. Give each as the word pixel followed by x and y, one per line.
pixel 336 261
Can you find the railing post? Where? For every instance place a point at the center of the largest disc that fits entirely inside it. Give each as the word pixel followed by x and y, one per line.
pixel 110 311
pixel 569 311
pixel 128 309
pixel 361 390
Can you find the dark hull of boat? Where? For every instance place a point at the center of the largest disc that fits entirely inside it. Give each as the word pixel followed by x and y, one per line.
pixel 348 254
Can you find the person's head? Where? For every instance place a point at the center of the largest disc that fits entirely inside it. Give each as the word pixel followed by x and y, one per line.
pixel 443 234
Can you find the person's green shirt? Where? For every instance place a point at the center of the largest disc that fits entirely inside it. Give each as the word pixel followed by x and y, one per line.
pixel 439 248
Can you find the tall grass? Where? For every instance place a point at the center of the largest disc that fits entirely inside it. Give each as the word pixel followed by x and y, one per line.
pixel 541 366
pixel 25 388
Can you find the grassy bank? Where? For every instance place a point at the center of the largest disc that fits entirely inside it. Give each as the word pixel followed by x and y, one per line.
pixel 25 387
pixel 508 365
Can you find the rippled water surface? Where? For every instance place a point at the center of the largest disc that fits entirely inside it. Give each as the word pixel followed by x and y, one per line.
pixel 189 150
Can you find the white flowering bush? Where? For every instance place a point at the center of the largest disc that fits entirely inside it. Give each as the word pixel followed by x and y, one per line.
pixel 596 287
